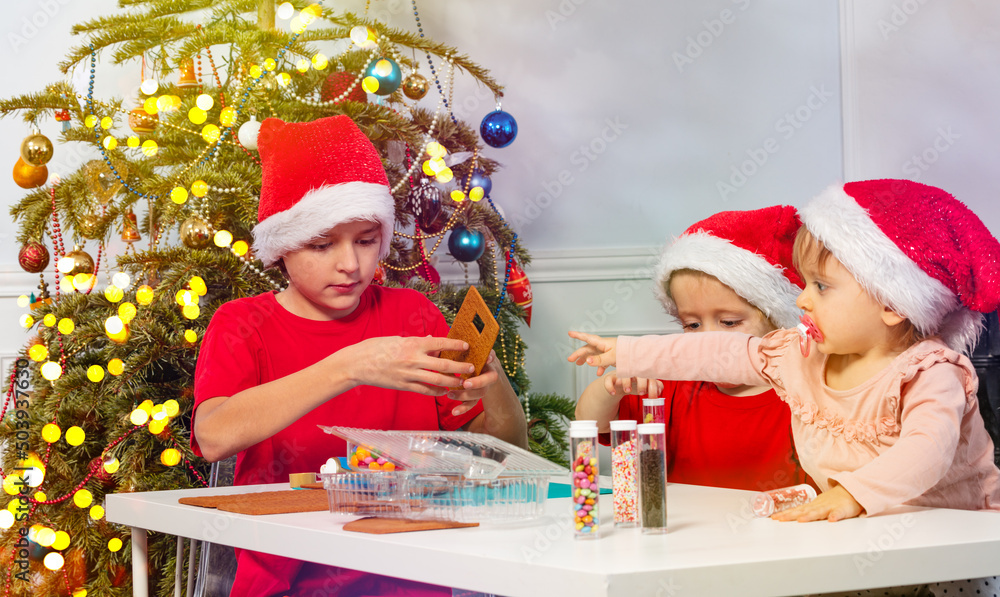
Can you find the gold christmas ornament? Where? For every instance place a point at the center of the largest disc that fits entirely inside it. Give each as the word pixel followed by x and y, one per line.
pixel 102 182
pixel 188 78
pixel 415 86
pixel 36 150
pixel 195 233
pixel 76 262
pixel 130 229
pixel 89 223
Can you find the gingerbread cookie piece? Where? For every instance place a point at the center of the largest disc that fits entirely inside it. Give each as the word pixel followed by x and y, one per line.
pixel 476 325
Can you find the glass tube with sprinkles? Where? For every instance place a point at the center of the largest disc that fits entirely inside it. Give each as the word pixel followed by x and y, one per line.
pixel 584 481
pixel 625 472
pixel 652 477
pixel 653 410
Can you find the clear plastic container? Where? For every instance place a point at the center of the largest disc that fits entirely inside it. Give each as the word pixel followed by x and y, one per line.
pixel 625 472
pixel 438 475
pixel 767 503
pixel 419 496
pixel 584 481
pixel 654 410
pixel 652 477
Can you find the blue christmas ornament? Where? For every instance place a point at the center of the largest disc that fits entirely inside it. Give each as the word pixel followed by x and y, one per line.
pixel 466 245
pixel 382 77
pixel 498 129
pixel 481 179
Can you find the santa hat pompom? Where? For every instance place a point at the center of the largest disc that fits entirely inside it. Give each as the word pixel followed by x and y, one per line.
pixel 915 249
pixel 316 175
pixel 748 251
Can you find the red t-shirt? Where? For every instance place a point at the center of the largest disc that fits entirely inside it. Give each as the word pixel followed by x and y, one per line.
pixel 254 340
pixel 739 442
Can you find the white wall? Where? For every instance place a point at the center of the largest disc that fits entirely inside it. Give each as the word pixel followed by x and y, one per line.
pixel 571 66
pixel 923 95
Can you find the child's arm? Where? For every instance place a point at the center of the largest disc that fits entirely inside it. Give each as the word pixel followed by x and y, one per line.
pixel 933 406
pixel 599 401
pixel 225 425
pixel 503 415
pixel 727 357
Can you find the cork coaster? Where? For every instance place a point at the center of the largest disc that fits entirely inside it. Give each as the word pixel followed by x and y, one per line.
pixel 265 502
pixel 480 337
pixel 383 526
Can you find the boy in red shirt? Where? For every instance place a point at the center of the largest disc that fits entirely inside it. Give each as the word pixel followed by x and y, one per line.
pixel 730 272
pixel 331 348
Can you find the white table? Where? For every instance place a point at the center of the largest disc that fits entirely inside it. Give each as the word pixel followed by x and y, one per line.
pixel 714 547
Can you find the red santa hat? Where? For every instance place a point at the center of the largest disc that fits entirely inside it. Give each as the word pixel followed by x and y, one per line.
pixel 748 251
pixel 316 175
pixel 915 249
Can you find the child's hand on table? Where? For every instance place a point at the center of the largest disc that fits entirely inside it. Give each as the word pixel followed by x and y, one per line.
pixel 632 385
pixel 833 505
pixel 409 364
pixel 599 352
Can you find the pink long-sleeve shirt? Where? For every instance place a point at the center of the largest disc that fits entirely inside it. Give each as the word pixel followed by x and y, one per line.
pixel 911 434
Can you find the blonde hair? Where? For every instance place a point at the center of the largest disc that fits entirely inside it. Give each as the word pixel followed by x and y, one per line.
pixel 808 248
pixel 697 273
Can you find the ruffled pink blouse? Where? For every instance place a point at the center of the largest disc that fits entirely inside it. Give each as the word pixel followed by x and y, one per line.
pixel 911 434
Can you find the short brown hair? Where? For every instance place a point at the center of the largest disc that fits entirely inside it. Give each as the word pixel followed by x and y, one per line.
pixel 706 276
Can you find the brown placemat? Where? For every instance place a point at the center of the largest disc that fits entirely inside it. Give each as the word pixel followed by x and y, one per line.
pixel 264 502
pixel 382 526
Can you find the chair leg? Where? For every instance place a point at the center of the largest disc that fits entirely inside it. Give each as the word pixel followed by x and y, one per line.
pixel 192 548
pixel 179 567
pixel 140 563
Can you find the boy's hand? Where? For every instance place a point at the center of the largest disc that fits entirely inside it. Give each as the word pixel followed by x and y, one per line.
pixel 599 352
pixel 833 505
pixel 474 388
pixel 632 385
pixel 408 364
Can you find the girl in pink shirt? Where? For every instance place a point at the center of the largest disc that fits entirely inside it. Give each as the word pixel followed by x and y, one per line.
pixel 883 402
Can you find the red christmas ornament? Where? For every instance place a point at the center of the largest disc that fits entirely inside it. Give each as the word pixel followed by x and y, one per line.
pixel 33 257
pixel 337 83
pixel 118 575
pixel 379 278
pixel 62 115
pixel 519 287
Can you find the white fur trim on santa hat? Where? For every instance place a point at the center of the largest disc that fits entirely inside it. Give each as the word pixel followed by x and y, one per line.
pixel 320 210
pixel 751 276
pixel 885 271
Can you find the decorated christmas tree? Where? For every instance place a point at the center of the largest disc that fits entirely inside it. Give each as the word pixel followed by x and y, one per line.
pixel 136 249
